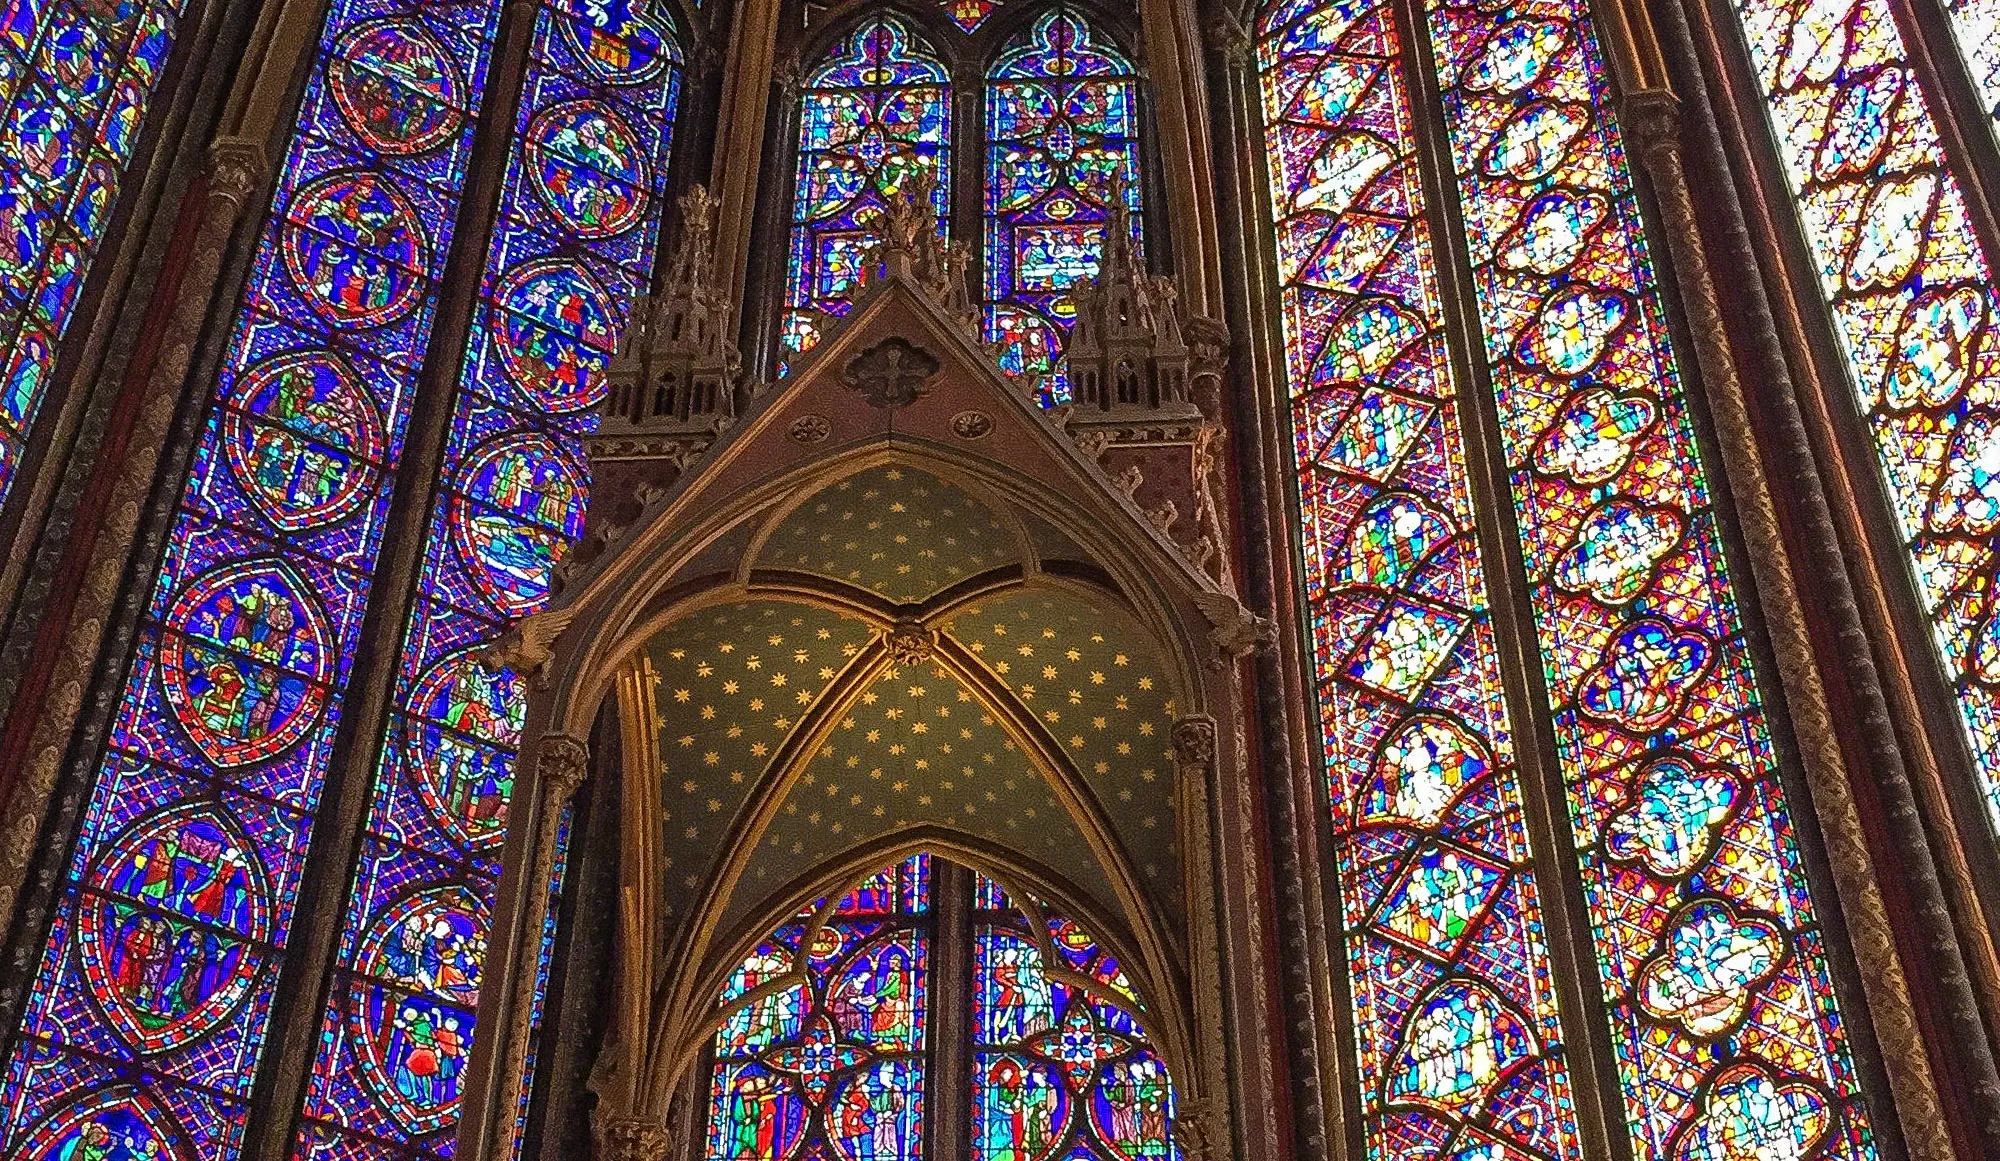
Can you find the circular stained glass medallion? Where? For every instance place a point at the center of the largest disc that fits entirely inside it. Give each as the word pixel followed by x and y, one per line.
pixel 245 660
pixel 303 438
pixel 40 140
pixel 397 86
pixel 589 167
pixel 73 58
pixel 409 1016
pixel 168 945
pixel 460 742
pixel 618 44
pixel 519 507
pixel 108 1125
pixel 554 323
pixel 353 244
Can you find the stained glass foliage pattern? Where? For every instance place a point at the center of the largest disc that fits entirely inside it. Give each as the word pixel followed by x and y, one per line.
pixel 1060 1064
pixel 1456 1028
pixel 76 78
pixel 165 946
pixel 1723 1020
pixel 821 1049
pixel 579 210
pixel 875 111
pixel 1913 299
pixel 1062 129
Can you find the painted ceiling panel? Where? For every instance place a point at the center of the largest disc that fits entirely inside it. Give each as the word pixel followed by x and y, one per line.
pixel 896 531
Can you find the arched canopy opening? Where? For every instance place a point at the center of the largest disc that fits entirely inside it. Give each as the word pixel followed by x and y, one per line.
pixel 922 999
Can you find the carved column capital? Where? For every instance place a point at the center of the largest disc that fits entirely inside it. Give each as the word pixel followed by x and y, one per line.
pixel 236 168
pixel 561 766
pixel 1198 1129
pixel 1228 36
pixel 633 1139
pixel 1651 119
pixel 1194 742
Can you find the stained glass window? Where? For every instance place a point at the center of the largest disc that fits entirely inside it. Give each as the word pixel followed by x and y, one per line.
pixel 1062 129
pixel 1723 1022
pixel 1456 1026
pixel 167 946
pixel 876 110
pixel 824 1027
pixel 580 208
pixel 1976 25
pixel 75 81
pixel 167 942
pixel 823 1039
pixel 1910 286
pixel 1060 1066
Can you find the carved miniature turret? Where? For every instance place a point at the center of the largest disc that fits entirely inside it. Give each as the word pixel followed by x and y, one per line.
pixel 1128 360
pixel 674 378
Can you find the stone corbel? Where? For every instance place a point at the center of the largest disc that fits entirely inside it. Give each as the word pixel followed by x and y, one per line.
pixel 1234 630
pixel 633 1139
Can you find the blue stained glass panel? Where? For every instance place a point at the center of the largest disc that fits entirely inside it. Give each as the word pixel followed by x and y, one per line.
pixel 1062 131
pixel 580 208
pixel 874 111
pixel 76 78
pixel 173 925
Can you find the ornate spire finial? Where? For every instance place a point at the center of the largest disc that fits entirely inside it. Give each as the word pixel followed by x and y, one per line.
pixel 674 377
pixel 909 241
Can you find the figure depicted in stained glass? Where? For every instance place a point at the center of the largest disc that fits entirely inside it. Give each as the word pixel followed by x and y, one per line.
pixel 582 194
pixel 77 83
pixel 1062 132
pixel 1432 862
pixel 876 111
pixel 1650 688
pixel 838 1055
pixel 1060 1065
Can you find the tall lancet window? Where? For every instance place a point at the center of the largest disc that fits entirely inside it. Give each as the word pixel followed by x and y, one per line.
pixel 1909 281
pixel 826 1047
pixel 152 1018
pixel 76 80
pixel 1057 138
pixel 1062 129
pixel 1502 418
pixel 876 111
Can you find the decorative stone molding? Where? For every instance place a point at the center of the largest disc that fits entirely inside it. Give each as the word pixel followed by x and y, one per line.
pixel 1194 742
pixel 893 373
pixel 561 767
pixel 909 643
pixel 236 168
